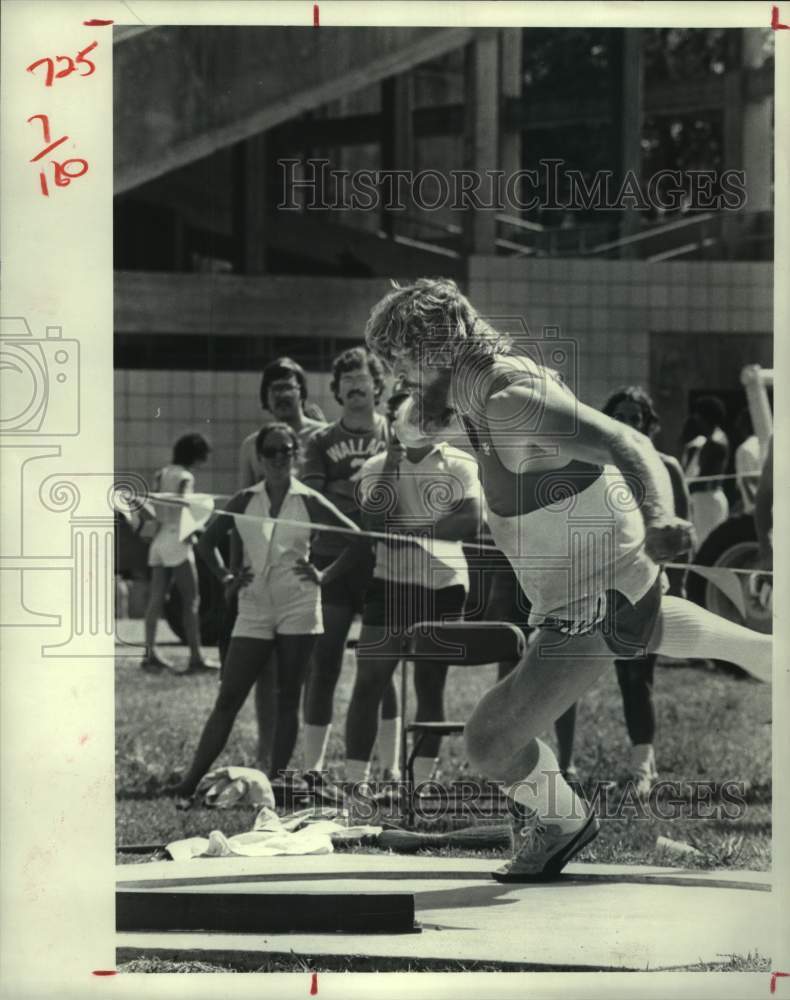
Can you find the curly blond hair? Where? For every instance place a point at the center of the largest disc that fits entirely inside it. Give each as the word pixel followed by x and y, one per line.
pixel 430 314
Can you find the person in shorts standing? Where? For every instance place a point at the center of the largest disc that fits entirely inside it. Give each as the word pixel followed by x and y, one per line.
pixel 279 590
pixel 430 490
pixel 172 560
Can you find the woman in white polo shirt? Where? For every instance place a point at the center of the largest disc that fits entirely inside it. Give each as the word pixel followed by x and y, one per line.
pixel 433 491
pixel 279 596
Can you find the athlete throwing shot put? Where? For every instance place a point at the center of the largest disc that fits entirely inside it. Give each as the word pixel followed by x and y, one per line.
pixel 581 505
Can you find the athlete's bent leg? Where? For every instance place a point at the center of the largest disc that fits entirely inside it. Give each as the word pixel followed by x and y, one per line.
pixel 553 675
pixel 550 822
pixel 686 631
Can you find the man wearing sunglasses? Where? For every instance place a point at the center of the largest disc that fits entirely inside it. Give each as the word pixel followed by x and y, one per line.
pixel 284 394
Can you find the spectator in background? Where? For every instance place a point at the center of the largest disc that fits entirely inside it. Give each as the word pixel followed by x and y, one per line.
pixel 334 457
pixel 283 393
pixel 430 489
pixel 709 504
pixel 748 464
pixel 173 560
pixel 691 440
pixel 279 597
pixel 764 510
pixel 634 407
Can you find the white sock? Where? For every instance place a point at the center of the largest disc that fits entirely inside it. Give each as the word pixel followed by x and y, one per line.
pixel 316 739
pixel 643 757
pixel 687 631
pixel 547 793
pixel 424 769
pixel 357 771
pixel 388 743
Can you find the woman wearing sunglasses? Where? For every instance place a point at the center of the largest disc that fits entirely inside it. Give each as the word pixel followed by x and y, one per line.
pixel 279 595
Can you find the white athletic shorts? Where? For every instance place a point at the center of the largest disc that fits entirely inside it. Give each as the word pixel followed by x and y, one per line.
pixel 280 603
pixel 167 550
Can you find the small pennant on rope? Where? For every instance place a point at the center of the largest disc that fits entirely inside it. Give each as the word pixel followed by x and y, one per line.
pixel 197 510
pixel 726 581
pixel 133 511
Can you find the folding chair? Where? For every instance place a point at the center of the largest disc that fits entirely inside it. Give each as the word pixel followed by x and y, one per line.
pixel 460 644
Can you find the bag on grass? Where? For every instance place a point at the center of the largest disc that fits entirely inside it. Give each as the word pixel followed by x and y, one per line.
pixel 236 786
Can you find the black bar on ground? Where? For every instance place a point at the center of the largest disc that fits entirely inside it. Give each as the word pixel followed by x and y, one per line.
pixel 270 912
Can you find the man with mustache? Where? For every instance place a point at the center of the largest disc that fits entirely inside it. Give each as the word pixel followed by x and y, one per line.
pixel 581 505
pixel 334 459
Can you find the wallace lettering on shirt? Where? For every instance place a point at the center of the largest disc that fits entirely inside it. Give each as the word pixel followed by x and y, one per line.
pixel 333 461
pixel 335 457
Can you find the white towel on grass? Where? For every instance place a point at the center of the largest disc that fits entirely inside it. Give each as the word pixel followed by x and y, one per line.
pixel 271 837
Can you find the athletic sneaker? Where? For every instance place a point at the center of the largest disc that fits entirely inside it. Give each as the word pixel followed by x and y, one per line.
pixel 540 849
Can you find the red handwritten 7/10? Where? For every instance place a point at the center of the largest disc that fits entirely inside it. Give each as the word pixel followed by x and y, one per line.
pixel 62 174
pixel 76 65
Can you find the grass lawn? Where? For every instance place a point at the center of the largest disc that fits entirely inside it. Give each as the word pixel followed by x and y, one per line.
pixel 713 728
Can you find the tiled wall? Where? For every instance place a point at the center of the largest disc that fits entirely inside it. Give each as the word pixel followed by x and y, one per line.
pixel 606 308
pixel 609 308
pixel 154 408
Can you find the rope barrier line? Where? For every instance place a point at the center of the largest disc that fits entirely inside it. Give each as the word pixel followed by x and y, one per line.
pixel 729 475
pixel 177 500
pixel 385 536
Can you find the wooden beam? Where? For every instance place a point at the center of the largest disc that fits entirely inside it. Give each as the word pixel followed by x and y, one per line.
pixel 235 305
pixel 265 912
pixel 249 204
pixel 511 85
pixel 733 152
pixel 397 134
pixel 481 140
pixel 181 93
pixel 631 76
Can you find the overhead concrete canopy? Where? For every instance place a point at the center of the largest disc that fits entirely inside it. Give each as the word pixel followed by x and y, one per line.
pixel 182 93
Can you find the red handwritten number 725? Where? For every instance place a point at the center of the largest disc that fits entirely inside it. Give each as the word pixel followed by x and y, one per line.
pixel 71 68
